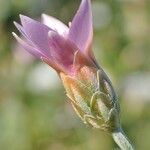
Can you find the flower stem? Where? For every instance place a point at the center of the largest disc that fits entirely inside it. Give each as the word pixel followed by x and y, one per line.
pixel 121 140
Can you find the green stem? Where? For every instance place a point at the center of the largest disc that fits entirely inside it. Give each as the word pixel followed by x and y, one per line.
pixel 121 140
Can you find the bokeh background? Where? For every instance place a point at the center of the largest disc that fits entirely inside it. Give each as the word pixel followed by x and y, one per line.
pixel 34 111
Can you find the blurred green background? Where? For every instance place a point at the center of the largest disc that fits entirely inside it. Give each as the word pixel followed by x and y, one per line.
pixel 34 111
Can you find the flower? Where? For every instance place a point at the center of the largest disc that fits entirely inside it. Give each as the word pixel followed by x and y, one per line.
pixel 69 51
pixel 54 42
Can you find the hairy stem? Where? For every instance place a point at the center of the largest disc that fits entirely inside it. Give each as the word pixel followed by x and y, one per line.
pixel 121 140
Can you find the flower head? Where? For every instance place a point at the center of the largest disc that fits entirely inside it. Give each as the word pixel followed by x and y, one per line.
pixel 57 44
pixel 69 51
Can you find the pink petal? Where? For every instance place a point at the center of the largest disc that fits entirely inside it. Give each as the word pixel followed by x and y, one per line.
pixel 62 50
pixel 21 29
pixel 52 63
pixel 36 32
pixel 55 24
pixel 38 54
pixel 81 30
pixel 32 50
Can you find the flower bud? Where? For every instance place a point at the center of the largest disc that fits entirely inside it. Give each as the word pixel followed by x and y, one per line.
pixel 93 98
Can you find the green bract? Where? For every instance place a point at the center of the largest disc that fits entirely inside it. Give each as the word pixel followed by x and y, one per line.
pixel 92 98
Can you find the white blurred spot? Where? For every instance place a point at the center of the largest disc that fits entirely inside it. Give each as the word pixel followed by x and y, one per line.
pixel 42 78
pixel 137 87
pixel 101 14
pixel 21 56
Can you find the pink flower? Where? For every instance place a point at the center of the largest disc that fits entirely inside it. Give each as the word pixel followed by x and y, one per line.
pixel 63 48
pixel 68 51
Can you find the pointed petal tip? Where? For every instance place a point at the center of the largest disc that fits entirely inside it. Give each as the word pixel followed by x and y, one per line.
pixel 17 37
pixel 69 24
pixel 81 29
pixel 14 22
pixel 25 19
pixel 87 1
pixel 43 15
pixel 17 25
pixel 14 35
pixel 22 16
